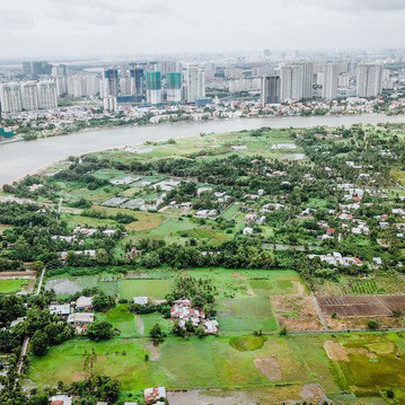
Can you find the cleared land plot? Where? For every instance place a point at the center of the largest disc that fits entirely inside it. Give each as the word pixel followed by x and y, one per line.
pixel 296 312
pixel 364 306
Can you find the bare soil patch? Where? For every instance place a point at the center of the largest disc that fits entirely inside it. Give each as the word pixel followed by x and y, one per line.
pixel 315 394
pixel 336 351
pixel 140 325
pixel 270 367
pixel 154 352
pixel 296 312
pixel 211 397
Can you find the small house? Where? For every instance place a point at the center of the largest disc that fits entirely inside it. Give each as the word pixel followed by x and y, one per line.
pixel 84 303
pixel 61 310
pixel 152 395
pixel 141 301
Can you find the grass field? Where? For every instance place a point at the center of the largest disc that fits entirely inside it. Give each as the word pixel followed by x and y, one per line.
pixel 12 286
pixel 373 363
pixel 154 289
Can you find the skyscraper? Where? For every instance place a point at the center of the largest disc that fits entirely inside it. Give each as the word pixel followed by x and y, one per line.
pixel 369 80
pixel 29 93
pixel 110 82
pixel 136 81
pixel 47 94
pixel 173 87
pixel 330 81
pixel 296 81
pixel 195 83
pixel 270 90
pixel 153 87
pixel 10 98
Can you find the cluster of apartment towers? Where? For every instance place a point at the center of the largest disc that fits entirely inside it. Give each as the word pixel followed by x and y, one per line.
pixel 296 82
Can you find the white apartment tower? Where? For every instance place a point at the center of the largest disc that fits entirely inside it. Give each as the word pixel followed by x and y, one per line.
pixel 369 80
pixel 330 82
pixel 29 92
pixel 10 98
pixel 296 81
pixel 47 94
pixel 195 83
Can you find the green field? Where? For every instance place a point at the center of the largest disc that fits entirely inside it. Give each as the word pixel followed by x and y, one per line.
pixel 373 363
pixel 154 289
pixel 12 286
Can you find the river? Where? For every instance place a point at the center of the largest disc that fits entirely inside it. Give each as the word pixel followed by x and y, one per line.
pixel 18 159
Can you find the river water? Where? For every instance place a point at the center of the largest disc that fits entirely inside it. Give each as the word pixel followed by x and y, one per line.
pixel 20 158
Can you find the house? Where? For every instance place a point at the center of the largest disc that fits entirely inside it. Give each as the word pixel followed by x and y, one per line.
pixel 17 321
pixel 250 218
pixel 247 231
pixel 80 318
pixel 84 303
pixel 61 400
pixel 62 310
pixel 141 301
pixel 183 312
pixel 151 395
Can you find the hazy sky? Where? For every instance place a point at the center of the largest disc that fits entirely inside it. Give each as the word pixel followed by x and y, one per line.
pixel 35 28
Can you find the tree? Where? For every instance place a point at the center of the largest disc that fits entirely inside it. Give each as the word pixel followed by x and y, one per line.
pixel 100 330
pixel 103 302
pixel 157 335
pixel 39 343
pixel 372 324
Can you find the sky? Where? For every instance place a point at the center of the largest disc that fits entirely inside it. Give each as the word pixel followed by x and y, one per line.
pixel 89 28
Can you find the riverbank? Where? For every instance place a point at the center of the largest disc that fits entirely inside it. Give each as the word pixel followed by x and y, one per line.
pixel 17 159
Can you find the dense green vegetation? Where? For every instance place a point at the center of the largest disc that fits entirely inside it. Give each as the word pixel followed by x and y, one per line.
pixel 250 227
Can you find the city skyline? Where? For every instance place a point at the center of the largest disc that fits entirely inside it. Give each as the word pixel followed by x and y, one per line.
pixel 99 28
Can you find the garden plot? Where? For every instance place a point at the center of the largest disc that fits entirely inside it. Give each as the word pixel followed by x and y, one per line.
pixel 115 201
pixel 288 146
pixel 361 306
pixel 124 180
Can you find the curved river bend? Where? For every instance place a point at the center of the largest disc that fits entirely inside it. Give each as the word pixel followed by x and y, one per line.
pixel 21 158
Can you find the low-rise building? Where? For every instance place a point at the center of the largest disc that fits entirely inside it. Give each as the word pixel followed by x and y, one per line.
pixel 141 301
pixel 62 310
pixel 84 303
pixel 61 400
pixel 152 395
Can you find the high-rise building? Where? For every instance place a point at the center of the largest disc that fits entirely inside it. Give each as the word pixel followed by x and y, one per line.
pixel 47 94
pixel 29 93
pixel 153 87
pixel 125 83
pixel 195 83
pixel 233 73
pixel 136 77
pixel 111 82
pixel 173 87
pixel 168 66
pixel 369 80
pixel 27 68
pixel 10 98
pixel 270 90
pixel 83 84
pixel 110 103
pixel 36 68
pixel 296 82
pixel 330 82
